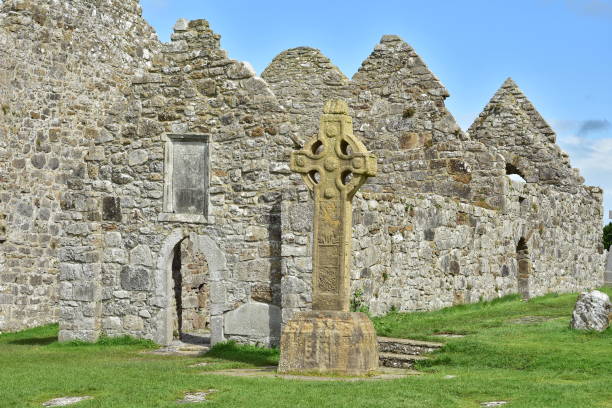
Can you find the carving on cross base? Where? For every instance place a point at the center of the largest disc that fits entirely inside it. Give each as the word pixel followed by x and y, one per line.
pixel 333 164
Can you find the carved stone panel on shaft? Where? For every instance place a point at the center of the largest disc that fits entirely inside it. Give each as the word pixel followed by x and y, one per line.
pixel 334 164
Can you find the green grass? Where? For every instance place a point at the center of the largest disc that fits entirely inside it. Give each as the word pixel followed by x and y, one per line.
pixel 542 364
pixel 466 319
pixel 253 355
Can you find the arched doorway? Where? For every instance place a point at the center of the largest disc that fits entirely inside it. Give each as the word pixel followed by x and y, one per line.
pixel 165 296
pixel 524 268
pixel 190 303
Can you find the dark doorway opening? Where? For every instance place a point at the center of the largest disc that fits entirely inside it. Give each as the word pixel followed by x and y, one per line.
pixel 524 268
pixel 191 294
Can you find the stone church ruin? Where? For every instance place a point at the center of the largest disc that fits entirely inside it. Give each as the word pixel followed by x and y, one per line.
pixel 145 187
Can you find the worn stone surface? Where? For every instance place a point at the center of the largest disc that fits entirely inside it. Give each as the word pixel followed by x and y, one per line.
pixel 406 346
pixel 254 323
pixel 608 272
pixel 64 71
pixel 397 360
pixel 180 348
pixel 195 397
pixel 329 342
pixel 65 401
pixel 333 165
pixel 592 311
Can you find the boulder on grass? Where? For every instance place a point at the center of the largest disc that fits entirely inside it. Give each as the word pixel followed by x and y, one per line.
pixel 592 311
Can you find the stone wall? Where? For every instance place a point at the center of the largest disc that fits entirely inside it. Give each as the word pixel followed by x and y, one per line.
pixel 428 251
pixel 608 273
pixel 192 88
pixel 399 113
pixel 92 104
pixel 441 222
pixel 63 71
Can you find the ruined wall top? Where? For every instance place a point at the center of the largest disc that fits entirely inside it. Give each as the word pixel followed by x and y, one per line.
pixel 308 69
pixel 72 7
pixel 511 124
pixel 394 58
pixel 99 27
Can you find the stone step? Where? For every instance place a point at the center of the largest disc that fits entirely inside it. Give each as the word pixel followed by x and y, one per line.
pixel 396 360
pixel 406 346
pixel 178 348
pixel 608 278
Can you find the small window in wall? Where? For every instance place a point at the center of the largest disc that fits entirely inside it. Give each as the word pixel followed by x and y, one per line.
pixel 514 173
pixel 186 181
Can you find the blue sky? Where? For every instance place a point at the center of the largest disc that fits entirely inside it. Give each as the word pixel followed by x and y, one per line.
pixel 558 51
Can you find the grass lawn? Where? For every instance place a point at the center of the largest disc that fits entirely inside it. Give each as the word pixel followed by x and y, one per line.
pixel 541 364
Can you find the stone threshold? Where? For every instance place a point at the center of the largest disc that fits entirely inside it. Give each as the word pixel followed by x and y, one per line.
pixel 419 343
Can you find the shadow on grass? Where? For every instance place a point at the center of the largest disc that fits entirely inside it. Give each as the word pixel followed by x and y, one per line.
pixel 111 342
pixel 254 355
pixel 34 341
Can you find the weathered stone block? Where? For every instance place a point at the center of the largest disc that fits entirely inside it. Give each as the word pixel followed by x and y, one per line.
pixel 135 278
pixel 240 70
pixel 608 272
pixel 111 209
pixel 258 320
pixel 592 311
pixel 133 323
pixel 70 272
pixel 112 323
pixel 329 342
pixel 190 302
pixel 262 293
pixel 138 157
pixel 113 239
pixel 255 233
pixel 141 255
pixel 65 290
pixel 115 255
pixel 6 299
pixel 207 87
pixel 84 291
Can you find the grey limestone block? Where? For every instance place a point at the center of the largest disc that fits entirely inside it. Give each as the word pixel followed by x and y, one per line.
pixel 592 311
pixel 135 278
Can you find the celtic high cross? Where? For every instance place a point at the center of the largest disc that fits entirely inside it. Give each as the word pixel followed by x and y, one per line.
pixel 333 164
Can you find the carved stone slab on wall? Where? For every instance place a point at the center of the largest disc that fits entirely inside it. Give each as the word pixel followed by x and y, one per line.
pixel 186 178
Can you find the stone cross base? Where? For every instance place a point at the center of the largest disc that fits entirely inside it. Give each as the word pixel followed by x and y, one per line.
pixel 329 342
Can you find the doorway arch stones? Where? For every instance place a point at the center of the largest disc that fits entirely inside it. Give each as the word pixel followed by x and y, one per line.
pixel 163 292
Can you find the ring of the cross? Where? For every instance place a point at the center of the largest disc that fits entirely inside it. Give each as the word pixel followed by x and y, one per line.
pixel 358 162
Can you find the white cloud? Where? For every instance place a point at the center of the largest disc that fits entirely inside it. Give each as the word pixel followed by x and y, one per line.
pixel 593 156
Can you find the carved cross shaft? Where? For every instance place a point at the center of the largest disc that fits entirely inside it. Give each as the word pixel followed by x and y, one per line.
pixel 333 164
